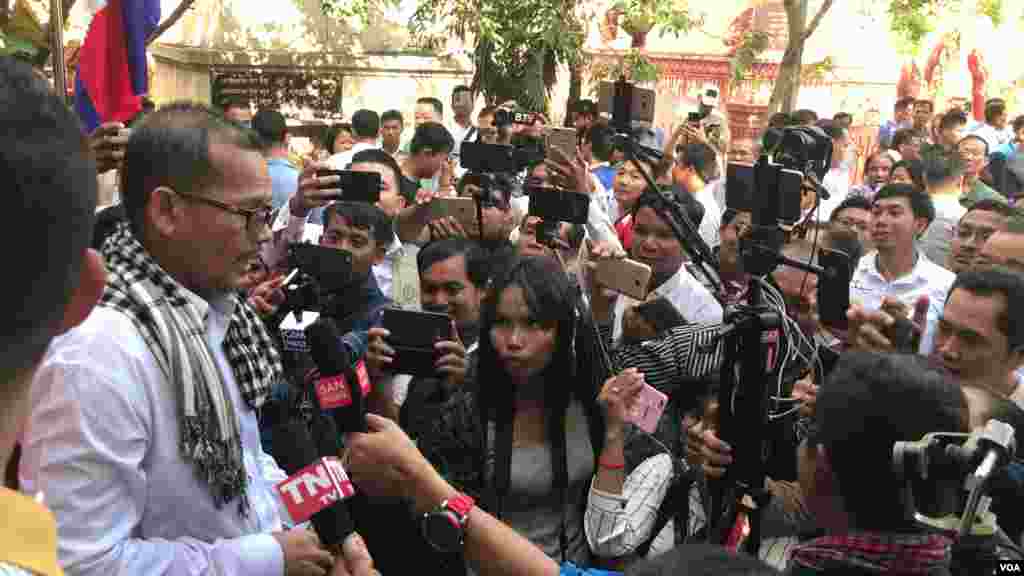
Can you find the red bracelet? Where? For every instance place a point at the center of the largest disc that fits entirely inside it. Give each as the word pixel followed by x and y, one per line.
pixel 601 462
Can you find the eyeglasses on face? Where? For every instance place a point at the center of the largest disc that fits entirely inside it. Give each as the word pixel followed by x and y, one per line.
pixel 966 232
pixel 264 215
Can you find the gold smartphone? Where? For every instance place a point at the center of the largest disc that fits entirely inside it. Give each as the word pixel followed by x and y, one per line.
pixel 624 276
pixel 564 139
pixel 462 209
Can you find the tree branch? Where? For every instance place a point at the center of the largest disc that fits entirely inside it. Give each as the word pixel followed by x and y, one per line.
pixel 817 19
pixel 68 4
pixel 173 19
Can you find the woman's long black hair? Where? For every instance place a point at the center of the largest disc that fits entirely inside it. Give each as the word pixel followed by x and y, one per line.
pixel 551 300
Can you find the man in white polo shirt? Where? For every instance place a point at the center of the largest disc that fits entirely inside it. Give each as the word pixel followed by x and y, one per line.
pixel 896 268
pixel 655 244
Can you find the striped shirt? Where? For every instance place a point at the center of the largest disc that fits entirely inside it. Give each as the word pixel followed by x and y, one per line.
pixel 616 524
pixel 684 353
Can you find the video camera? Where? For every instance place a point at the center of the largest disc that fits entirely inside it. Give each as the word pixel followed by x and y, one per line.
pixel 504 117
pixel 947 479
pixel 771 190
pixel 320 274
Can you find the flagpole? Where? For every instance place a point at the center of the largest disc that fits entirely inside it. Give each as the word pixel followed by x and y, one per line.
pixel 60 79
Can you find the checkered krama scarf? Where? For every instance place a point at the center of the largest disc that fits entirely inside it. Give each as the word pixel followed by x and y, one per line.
pixel 901 554
pixel 175 331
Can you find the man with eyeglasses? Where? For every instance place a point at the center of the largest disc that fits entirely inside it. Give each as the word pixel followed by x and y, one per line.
pixel 983 220
pixel 144 429
pixel 854 214
pixel 974 151
pixel 1006 247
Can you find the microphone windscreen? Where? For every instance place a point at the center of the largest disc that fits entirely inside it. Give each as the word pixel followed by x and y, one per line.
pixel 328 440
pixel 293 446
pixel 324 340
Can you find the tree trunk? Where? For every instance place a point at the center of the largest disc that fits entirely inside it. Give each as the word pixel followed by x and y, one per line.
pixel 787 83
pixel 68 4
pixel 575 88
pixel 170 21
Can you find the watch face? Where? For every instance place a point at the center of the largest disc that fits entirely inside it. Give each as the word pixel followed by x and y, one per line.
pixel 442 531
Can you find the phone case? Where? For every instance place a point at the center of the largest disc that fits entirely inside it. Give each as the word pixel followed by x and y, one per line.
pixel 563 139
pixel 462 209
pixel 627 277
pixel 647 409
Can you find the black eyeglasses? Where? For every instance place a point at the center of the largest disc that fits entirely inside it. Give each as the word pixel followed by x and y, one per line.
pixel 263 215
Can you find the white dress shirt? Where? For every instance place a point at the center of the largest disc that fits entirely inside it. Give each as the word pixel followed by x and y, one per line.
pixel 341 160
pixel 103 444
pixel 686 293
pixel 936 242
pixel 868 288
pixel 712 219
pixel 837 182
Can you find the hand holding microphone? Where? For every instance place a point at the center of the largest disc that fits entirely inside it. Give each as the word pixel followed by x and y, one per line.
pixel 314 491
pixel 343 382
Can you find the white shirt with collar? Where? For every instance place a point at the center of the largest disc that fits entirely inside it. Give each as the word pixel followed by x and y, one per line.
pixel 341 160
pixel 686 293
pixel 459 134
pixel 103 444
pixel 837 182
pixel 868 288
pixel 712 219
pixel 397 276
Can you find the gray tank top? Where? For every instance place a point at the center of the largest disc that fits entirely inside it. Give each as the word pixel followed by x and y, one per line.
pixel 531 506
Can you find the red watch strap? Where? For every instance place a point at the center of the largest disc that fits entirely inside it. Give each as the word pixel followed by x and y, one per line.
pixel 461 504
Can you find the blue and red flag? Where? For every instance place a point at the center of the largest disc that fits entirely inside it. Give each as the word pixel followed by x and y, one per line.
pixel 111 76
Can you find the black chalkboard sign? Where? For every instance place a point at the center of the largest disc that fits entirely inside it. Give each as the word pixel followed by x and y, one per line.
pixel 274 88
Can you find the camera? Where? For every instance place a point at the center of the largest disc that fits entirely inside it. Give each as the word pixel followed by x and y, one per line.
pixel 320 274
pixel 626 104
pixel 504 117
pixel 806 149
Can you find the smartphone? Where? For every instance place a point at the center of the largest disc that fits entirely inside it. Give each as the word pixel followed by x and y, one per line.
pixel 331 267
pixel 624 276
pixel 413 335
pixel 558 205
pixel 564 140
pixel 355 186
pixel 834 288
pixel 647 408
pixel 743 193
pixel 462 209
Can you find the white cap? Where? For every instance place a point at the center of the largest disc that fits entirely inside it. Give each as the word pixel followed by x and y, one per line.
pixel 709 95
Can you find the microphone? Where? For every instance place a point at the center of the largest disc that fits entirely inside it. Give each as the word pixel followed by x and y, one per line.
pixel 343 381
pixel 315 486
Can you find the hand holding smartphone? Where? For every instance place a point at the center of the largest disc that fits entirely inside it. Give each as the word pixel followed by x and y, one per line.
pixel 627 398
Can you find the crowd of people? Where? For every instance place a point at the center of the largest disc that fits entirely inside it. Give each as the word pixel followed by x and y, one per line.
pixel 146 382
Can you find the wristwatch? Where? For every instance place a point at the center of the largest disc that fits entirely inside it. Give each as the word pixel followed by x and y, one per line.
pixel 444 528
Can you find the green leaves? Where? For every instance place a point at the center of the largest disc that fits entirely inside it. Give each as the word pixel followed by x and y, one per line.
pixel 911 20
pixel 752 44
pixel 19 48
